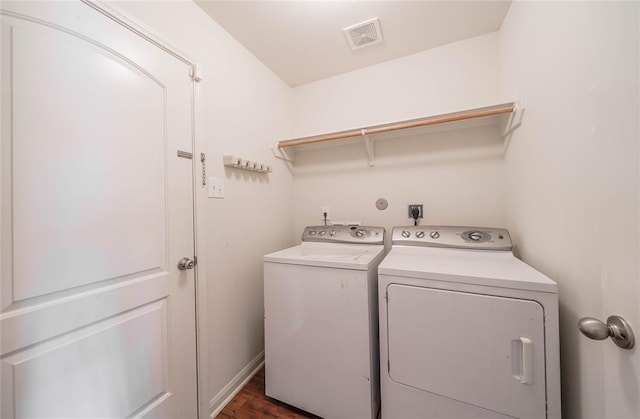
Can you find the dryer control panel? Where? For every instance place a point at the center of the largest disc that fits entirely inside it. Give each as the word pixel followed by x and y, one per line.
pixel 481 238
pixel 344 234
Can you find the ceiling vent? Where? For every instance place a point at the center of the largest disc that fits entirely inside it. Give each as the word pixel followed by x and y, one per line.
pixel 364 34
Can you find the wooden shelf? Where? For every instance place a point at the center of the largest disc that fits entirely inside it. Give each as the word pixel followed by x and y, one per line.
pixel 365 133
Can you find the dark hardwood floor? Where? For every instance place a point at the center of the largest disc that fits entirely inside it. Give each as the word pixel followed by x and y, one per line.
pixel 251 403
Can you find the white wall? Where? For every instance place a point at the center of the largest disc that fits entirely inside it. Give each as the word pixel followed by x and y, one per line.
pixel 572 189
pixel 450 78
pixel 457 175
pixel 243 109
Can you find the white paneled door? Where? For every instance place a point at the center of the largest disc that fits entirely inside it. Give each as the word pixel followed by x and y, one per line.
pixel 97 208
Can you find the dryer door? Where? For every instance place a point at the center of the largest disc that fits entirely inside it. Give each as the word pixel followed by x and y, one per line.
pixel 482 350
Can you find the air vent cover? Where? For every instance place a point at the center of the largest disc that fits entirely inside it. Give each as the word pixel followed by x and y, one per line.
pixel 364 34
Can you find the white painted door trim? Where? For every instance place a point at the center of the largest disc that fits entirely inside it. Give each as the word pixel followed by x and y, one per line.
pixel 127 21
pixel 122 18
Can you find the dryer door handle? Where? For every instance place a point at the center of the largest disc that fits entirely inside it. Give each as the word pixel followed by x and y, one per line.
pixel 522 360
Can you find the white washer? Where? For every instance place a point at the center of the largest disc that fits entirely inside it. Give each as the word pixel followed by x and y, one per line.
pixel 467 330
pixel 321 322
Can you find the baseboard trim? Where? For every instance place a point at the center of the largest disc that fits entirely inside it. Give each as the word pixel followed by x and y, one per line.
pixel 225 395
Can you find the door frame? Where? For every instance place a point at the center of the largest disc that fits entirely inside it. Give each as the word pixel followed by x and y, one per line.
pixel 130 23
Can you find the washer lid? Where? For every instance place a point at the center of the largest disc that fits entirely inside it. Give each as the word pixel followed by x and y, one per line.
pixel 489 268
pixel 331 255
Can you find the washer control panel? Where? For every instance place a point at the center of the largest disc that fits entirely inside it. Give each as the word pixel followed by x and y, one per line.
pixel 344 234
pixel 483 238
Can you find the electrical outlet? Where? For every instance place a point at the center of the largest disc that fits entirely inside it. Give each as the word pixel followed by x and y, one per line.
pixel 327 210
pixel 411 207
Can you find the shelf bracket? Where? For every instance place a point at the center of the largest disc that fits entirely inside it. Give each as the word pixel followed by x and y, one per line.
pixel 515 119
pixel 368 142
pixel 281 153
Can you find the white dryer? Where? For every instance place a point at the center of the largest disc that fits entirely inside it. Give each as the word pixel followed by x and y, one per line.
pixel 321 322
pixel 467 330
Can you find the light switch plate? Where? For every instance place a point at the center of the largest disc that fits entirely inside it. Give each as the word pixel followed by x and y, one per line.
pixel 215 187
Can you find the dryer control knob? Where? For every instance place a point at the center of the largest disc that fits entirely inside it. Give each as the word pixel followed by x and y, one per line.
pixel 434 234
pixel 322 232
pixel 332 233
pixel 405 233
pixel 312 233
pixel 420 234
pixel 475 236
pixel 360 233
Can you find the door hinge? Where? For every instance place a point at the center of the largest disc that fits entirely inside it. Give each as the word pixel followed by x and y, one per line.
pixel 195 73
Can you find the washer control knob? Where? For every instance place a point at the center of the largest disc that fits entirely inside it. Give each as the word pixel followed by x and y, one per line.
pixel 434 235
pixel 360 233
pixel 405 234
pixel 420 234
pixel 312 233
pixel 322 232
pixel 475 236
pixel 332 233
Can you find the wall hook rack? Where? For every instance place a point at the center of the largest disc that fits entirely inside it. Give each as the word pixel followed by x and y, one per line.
pixel 240 163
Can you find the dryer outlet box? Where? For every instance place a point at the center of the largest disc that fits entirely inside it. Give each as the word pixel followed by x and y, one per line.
pixel 411 209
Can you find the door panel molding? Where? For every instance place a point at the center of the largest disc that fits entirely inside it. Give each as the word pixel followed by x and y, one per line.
pixel 75 34
pixel 46 373
pixel 19 327
pixel 96 185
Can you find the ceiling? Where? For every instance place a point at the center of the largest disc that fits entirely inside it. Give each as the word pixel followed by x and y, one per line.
pixel 303 41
